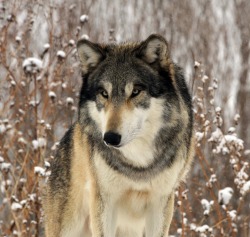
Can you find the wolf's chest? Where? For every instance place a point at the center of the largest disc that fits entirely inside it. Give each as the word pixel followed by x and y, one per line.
pixel 134 202
pixel 120 186
pixel 130 201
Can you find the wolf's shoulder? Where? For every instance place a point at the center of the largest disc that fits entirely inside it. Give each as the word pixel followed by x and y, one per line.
pixel 60 165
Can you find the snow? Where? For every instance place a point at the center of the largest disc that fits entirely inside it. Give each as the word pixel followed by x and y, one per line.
pixel 200 89
pixel 21 111
pixel 15 206
pixel 231 130
pixel 203 229
pixel 225 195
pixel 2 128
pixel 184 194
pixel 232 139
pixel 35 144
pixel 212 180
pixel 32 65
pixel 21 140
pixel 16 233
pixel 46 46
pixel 215 84
pixel 85 37
pixel 70 101
pixel 207 206
pixel 34 103
pixel 39 143
pixel 23 180
pixel 232 214
pixel 32 197
pixel 245 188
pixel 236 117
pixel 242 176
pixel 179 231
pixel 84 18
pixel 218 109
pixel 52 94
pixel 5 184
pixel 199 136
pixel 54 147
pixel 218 121
pixel 41 121
pixel 204 78
pixel 23 202
pixel 6 121
pixel 39 170
pixel 207 123
pixel 72 6
pixel 8 127
pixel 13 83
pixel 42 142
pixel 33 222
pixel 64 85
pixel 54 84
pixel 47 164
pixel 197 64
pixel 72 42
pixel 10 17
pixel 48 126
pixel 5 166
pixel 225 143
pixel 18 39
pixel 216 135
pixel 61 54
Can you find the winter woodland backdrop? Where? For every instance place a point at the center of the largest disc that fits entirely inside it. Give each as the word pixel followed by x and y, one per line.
pixel 39 89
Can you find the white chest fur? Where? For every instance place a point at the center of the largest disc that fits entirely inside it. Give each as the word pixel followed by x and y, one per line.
pixel 131 201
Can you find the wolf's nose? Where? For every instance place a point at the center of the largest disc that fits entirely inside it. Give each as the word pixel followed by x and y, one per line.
pixel 112 138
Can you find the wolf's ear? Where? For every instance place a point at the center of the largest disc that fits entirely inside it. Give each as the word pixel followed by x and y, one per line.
pixel 154 50
pixel 90 55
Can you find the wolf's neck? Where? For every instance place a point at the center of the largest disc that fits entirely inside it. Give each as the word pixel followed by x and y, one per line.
pixel 139 152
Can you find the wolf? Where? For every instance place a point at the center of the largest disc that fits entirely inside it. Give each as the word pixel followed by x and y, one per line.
pixel 118 165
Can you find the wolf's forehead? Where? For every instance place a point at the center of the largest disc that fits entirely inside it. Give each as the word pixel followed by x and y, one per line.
pixel 118 72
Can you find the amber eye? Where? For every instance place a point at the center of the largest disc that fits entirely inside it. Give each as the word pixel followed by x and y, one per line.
pixel 104 93
pixel 135 92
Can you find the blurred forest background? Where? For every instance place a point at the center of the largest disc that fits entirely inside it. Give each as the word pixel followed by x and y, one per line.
pixel 39 88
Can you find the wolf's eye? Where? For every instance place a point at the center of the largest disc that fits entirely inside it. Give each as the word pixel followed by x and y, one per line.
pixel 104 93
pixel 135 92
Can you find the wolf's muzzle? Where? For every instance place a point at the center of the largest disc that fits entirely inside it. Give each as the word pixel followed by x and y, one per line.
pixel 112 139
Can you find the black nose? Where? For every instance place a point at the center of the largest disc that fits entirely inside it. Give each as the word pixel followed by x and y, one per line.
pixel 112 138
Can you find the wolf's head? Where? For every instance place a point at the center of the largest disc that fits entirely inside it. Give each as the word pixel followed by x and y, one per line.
pixel 127 88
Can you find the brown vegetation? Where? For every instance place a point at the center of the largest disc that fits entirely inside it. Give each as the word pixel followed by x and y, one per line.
pixel 38 101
